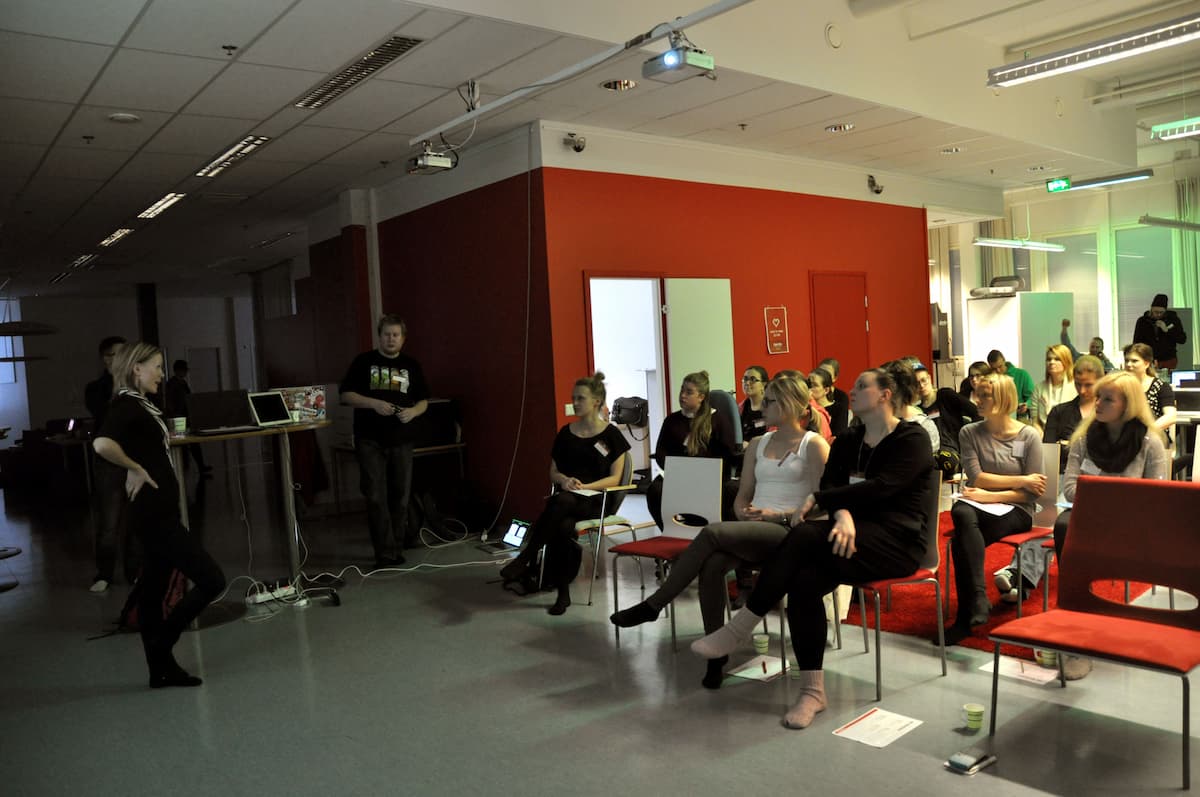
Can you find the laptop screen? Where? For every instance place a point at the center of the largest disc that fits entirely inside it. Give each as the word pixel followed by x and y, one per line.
pixel 1178 377
pixel 269 408
pixel 516 533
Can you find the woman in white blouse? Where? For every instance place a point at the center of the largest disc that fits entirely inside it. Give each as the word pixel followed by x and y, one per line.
pixel 1057 388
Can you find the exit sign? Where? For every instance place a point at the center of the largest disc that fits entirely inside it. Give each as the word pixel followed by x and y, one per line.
pixel 1059 184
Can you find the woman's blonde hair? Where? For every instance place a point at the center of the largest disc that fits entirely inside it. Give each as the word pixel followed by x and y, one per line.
pixel 1004 392
pixel 1063 355
pixel 701 430
pixel 127 356
pixel 790 390
pixel 1136 405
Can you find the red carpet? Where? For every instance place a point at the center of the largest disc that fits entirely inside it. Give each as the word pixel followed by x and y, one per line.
pixel 912 608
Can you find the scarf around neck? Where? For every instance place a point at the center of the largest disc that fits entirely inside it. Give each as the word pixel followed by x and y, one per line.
pixel 1114 456
pixel 155 413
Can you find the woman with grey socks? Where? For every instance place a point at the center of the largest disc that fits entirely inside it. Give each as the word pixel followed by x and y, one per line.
pixel 780 469
pixel 873 489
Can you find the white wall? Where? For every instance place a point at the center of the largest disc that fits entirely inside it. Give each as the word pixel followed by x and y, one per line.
pixel 14 404
pixel 199 322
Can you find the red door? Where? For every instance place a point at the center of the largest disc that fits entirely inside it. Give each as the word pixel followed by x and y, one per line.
pixel 839 321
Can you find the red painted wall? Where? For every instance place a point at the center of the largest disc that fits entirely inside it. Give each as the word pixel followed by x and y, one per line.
pixel 764 242
pixel 457 271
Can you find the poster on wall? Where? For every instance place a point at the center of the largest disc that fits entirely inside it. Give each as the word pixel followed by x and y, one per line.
pixel 777 329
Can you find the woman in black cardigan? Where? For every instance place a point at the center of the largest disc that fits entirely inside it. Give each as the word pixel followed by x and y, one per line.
pixel 873 490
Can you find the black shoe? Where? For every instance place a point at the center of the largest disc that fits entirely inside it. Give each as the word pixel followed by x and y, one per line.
pixel 389 561
pixel 173 676
pixel 514 570
pixel 715 673
pixel 560 605
pixel 634 615
pixel 954 634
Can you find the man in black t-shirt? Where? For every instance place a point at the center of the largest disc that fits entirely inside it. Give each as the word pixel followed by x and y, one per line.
pixel 388 392
pixel 110 482
pixel 950 411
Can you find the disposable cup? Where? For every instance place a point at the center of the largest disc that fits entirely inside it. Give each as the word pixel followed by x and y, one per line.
pixel 973 715
pixel 179 424
pixel 762 643
pixel 1046 658
pixel 295 416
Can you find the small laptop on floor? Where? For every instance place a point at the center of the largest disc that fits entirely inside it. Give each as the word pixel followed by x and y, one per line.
pixel 512 539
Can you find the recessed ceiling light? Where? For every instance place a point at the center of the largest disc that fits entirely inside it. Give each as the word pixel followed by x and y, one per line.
pixel 232 155
pixel 123 118
pixel 618 85
pixel 116 236
pixel 840 127
pixel 161 205
pixel 82 261
pixel 358 70
pixel 951 150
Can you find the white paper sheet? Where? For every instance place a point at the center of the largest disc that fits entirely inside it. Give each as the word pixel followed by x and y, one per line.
pixel 991 509
pixel 1022 670
pixel 877 728
pixel 585 492
pixel 760 668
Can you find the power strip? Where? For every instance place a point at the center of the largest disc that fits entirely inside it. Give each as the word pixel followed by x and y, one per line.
pixel 282 592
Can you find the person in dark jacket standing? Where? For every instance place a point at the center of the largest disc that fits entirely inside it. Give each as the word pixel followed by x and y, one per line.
pixel 388 392
pixel 175 406
pixel 1161 330
pixel 110 480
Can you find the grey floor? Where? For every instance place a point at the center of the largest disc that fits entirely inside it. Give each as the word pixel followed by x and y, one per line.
pixel 435 681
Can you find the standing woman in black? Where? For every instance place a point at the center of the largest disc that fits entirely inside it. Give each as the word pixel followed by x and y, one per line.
pixel 135 438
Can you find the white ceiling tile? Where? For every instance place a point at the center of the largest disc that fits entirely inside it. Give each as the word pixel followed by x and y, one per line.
pixel 199 135
pixel 552 57
pixel 160 168
pixel 429 23
pixel 100 21
pixel 30 121
pixel 324 36
pixel 585 90
pixel 473 48
pixel 91 120
pixel 283 121
pixel 48 69
pixel 368 152
pixel 47 193
pixel 731 110
pixel 137 79
pixel 307 144
pixel 252 176
pixel 825 109
pixel 127 199
pixel 374 104
pixel 17 161
pixel 443 109
pixel 251 91
pixel 87 163
pixel 185 27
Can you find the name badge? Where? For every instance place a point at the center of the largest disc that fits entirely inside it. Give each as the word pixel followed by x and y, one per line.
pixel 1090 468
pixel 759 423
pixel 1018 448
pixel 856 479
pixel 934 415
pixel 603 449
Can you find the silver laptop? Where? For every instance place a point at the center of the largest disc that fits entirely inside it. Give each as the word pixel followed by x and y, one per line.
pixel 269 408
pixel 512 540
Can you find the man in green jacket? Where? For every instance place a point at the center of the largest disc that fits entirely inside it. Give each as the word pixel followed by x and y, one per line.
pixel 1020 377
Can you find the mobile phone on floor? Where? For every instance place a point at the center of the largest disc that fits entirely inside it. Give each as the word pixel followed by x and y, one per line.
pixel 970 761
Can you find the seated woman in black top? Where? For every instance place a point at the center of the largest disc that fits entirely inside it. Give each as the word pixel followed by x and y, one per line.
pixel 694 430
pixel 820 385
pixel 588 454
pixel 134 437
pixel 754 385
pixel 874 489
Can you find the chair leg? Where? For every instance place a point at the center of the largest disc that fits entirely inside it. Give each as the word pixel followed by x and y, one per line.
pixel 937 594
pixel 837 619
pixel 995 690
pixel 1127 592
pixel 1171 597
pixel 595 560
pixel 1020 583
pixel 783 637
pixel 947 561
pixel 862 610
pixel 878 653
pixel 616 599
pixel 1046 579
pixel 674 641
pixel 1187 733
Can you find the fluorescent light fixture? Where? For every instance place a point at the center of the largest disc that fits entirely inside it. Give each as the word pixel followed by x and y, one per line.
pixel 1020 243
pixel 1112 179
pixel 1184 128
pixel 359 70
pixel 232 155
pixel 1175 224
pixel 1124 45
pixel 161 205
pixel 82 261
pixel 59 277
pixel 116 236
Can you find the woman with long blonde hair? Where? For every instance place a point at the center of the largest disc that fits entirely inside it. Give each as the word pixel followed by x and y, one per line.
pixel 1057 388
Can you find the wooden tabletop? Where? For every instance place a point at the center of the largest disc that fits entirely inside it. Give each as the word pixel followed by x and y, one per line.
pixel 266 431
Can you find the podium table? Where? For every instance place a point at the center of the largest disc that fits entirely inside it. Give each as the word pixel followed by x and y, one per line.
pixel 283 450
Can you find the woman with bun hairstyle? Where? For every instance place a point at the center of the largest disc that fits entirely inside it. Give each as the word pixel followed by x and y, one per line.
pixel 588 454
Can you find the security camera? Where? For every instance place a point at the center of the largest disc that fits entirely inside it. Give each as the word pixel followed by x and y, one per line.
pixel 875 187
pixel 575 142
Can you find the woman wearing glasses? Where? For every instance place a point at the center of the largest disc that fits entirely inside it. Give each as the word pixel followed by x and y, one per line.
pixel 779 470
pixel 754 383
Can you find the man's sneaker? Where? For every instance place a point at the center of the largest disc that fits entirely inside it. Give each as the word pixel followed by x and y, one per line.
pixel 1004 580
pixel 99 585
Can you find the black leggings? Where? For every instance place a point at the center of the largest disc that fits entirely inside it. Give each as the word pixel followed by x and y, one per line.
pixel 168 546
pixel 974 530
pixel 805 569
pixel 1060 532
pixel 555 529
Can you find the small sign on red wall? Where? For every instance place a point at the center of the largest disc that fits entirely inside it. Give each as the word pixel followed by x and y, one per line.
pixel 777 329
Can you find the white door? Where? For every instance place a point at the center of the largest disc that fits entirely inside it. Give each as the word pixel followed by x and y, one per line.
pixel 699 323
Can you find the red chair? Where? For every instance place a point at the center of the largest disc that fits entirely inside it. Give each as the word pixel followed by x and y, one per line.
pixel 663 550
pixel 925 574
pixel 1099 547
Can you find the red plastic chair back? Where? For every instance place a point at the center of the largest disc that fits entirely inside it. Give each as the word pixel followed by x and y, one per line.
pixel 1132 530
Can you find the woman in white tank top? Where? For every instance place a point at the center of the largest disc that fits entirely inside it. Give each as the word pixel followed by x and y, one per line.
pixel 779 471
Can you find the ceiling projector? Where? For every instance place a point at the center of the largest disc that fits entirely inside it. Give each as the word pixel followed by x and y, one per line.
pixel 678 63
pixel 429 163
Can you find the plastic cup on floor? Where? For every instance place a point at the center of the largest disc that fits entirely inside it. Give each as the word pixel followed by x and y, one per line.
pixel 973 715
pixel 1046 658
pixel 762 643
